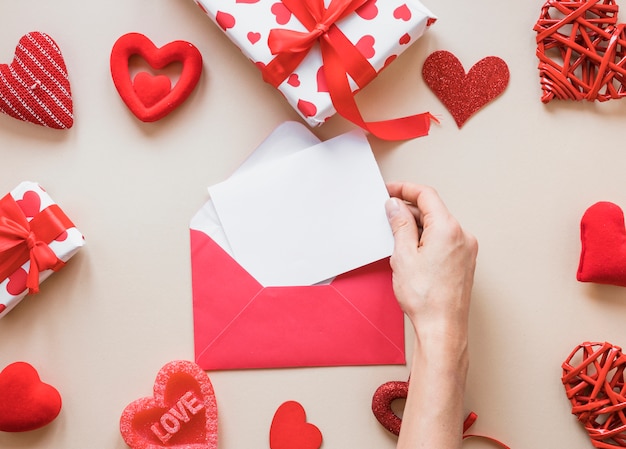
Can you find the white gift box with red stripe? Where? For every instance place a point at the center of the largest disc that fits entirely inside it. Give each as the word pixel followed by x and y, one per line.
pixel 379 29
pixel 28 213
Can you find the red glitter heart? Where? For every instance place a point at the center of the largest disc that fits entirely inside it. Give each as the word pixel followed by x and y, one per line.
pixel 290 430
pixel 581 50
pixel 182 413
pixel 384 396
pixel 463 94
pixel 593 377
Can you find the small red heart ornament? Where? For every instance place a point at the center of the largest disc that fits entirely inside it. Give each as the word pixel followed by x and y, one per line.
pixel 581 49
pixel 603 245
pixel 148 97
pixel 35 87
pixel 26 403
pixel 593 377
pixel 383 397
pixel 463 94
pixel 290 430
pixel 182 412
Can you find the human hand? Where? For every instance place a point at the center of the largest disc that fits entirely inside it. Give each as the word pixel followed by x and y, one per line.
pixel 433 263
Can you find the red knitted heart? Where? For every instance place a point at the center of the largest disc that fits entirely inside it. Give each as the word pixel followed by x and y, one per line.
pixel 182 413
pixel 593 377
pixel 603 241
pixel 26 403
pixel 35 87
pixel 463 94
pixel 146 97
pixel 290 430
pixel 581 50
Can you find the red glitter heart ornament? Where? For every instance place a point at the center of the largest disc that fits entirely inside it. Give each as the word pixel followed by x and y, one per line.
pixel 26 403
pixel 593 377
pixel 603 245
pixel 463 94
pixel 181 414
pixel 581 50
pixel 35 87
pixel 384 396
pixel 148 97
pixel 290 430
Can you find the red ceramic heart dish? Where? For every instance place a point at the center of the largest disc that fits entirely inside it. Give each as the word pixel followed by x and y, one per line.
pixel 593 377
pixel 26 403
pixel 182 413
pixel 603 241
pixel 35 87
pixel 151 100
pixel 290 430
pixel 463 94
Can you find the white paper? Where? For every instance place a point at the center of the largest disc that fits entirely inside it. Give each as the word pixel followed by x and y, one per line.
pixel 309 216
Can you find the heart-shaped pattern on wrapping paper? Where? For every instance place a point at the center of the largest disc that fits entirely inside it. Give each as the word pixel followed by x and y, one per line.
pixel 593 377
pixel 35 87
pixel 182 412
pixel 463 94
pixel 581 49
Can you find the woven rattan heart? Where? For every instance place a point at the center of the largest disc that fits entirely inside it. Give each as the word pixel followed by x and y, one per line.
pixel 581 50
pixel 593 376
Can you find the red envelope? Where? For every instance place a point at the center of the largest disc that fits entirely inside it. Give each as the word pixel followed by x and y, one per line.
pixel 238 323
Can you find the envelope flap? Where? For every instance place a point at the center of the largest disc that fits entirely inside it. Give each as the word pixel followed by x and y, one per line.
pixel 310 326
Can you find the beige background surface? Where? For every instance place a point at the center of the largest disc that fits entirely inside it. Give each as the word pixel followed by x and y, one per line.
pixel 519 175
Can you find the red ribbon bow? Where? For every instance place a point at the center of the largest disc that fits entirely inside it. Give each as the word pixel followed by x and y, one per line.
pixel 341 58
pixel 22 241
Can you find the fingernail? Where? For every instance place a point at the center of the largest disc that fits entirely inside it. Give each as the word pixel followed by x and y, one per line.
pixel 392 207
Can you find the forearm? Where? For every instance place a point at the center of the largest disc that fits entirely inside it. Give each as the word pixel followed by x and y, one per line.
pixel 433 413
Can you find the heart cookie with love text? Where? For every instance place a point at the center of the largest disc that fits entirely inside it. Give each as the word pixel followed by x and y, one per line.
pixel 182 412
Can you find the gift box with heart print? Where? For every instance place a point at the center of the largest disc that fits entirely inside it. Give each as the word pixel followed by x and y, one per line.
pixel 36 239
pixel 374 35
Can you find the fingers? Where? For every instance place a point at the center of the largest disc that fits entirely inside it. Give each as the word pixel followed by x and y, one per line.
pixel 403 226
pixel 425 198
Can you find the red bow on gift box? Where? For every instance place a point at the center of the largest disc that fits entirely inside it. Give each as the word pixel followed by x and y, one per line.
pixel 341 58
pixel 22 240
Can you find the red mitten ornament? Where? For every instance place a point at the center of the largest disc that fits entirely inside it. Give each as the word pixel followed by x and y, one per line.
pixel 603 240
pixel 26 403
pixel 150 97
pixel 35 87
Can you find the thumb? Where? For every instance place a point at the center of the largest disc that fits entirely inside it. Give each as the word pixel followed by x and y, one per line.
pixel 403 225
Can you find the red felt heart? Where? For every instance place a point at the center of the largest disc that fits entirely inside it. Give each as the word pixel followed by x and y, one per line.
pixel 182 413
pixel 158 58
pixel 35 87
pixel 463 94
pixel 290 430
pixel 593 377
pixel 384 396
pixel 581 49
pixel 26 403
pixel 603 241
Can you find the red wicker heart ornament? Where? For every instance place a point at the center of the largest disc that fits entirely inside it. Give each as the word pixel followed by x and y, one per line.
pixel 593 376
pixel 35 87
pixel 581 50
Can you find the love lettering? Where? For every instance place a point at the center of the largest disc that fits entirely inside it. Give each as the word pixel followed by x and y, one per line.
pixel 172 421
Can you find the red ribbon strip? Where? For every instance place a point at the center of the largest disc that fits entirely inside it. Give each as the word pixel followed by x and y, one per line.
pixel 469 421
pixel 21 240
pixel 340 58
